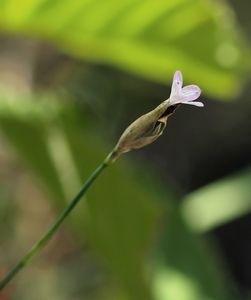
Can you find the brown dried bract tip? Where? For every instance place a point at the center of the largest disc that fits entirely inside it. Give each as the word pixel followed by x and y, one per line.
pixel 145 130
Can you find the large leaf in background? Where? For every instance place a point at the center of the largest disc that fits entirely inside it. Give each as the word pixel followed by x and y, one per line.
pixel 219 202
pixel 119 224
pixel 120 214
pixel 148 38
pixel 179 267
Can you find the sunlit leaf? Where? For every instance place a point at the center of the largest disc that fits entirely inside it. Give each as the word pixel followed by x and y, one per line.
pixel 219 202
pixel 148 38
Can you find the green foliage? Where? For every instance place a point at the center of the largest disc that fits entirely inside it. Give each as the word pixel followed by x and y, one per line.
pixel 63 157
pixel 149 38
pixel 119 213
pixel 188 266
pixel 219 202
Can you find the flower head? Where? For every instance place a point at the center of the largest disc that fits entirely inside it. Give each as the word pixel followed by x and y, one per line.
pixel 186 94
pixel 147 128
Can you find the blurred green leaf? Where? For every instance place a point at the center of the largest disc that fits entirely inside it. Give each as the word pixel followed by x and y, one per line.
pixel 219 202
pixel 119 214
pixel 63 153
pixel 188 267
pixel 149 38
pixel 18 119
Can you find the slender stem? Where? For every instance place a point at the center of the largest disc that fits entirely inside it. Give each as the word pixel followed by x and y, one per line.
pixel 51 231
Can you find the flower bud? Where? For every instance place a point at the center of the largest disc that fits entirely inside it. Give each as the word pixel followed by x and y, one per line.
pixel 145 130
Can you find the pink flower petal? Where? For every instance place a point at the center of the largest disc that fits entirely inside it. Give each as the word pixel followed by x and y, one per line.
pixel 195 103
pixel 190 92
pixel 177 83
pixel 178 78
pixel 185 95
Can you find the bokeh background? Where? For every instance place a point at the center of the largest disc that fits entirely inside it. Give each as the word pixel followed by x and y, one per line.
pixel 170 221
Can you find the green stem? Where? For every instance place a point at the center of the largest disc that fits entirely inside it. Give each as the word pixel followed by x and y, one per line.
pixel 48 235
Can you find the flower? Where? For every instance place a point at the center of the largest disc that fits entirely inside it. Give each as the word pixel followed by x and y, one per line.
pixel 186 94
pixel 147 128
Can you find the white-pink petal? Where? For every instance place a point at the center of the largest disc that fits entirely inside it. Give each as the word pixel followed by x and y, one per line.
pixel 185 95
pixel 177 83
pixel 195 103
pixel 190 92
pixel 178 78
